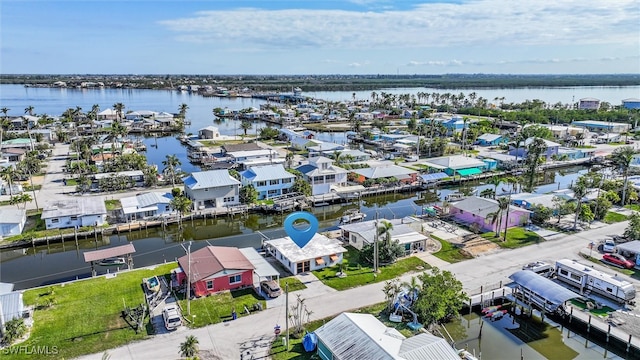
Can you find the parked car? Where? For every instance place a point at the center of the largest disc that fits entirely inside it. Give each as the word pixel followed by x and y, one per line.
pixel 171 317
pixel 618 260
pixel 271 288
pixel 609 246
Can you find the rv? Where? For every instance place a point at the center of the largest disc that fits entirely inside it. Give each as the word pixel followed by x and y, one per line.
pixel 588 279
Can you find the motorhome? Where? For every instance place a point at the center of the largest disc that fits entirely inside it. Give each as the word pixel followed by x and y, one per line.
pixel 588 279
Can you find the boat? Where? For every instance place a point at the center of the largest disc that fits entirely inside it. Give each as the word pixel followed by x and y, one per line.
pixel 496 315
pixel 152 284
pixel 112 262
pixel 490 309
pixel 352 215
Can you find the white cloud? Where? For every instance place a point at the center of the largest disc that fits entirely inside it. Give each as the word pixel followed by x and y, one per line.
pixel 475 23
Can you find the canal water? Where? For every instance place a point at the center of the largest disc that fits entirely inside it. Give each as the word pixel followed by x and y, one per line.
pixel 514 337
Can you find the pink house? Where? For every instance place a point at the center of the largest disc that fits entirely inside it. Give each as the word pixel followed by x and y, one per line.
pixel 216 268
pixel 478 210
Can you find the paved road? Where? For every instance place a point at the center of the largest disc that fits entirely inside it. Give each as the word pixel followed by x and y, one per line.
pixel 252 335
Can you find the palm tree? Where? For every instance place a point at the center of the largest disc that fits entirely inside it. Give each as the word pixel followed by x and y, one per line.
pixel 183 110
pixel 8 174
pixel 3 124
pixel 119 108
pixel 171 163
pixel 189 348
pixel 391 289
pixel 117 131
pixel 579 192
pixel 182 205
pixel 245 125
pixel 29 110
pixel 622 158
pixel 495 181
pixel 534 153
pixel 504 203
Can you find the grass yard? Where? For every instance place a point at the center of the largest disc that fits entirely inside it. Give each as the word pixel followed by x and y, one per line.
pixel 85 315
pixel 634 207
pixel 516 237
pixel 358 274
pixel 72 182
pixel 614 217
pixel 449 253
pixel 217 308
pixel 112 205
pixel 293 282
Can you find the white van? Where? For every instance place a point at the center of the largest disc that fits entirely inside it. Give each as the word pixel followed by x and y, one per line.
pixel 171 317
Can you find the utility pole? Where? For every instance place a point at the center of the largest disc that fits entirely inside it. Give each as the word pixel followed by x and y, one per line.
pixel 188 251
pixel 375 248
pixel 286 313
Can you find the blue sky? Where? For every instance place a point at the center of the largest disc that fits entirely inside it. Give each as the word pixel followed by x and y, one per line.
pixel 320 37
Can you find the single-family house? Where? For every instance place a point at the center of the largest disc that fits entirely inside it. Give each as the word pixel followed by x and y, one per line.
pixel 575 153
pixel 527 200
pixel 387 171
pixel 248 158
pixel 608 138
pixel 318 253
pixel 108 114
pixel 455 125
pixel 406 231
pixel 491 139
pixel 212 189
pixel 631 103
pixel 322 175
pixel 214 269
pixel 602 126
pixel 209 132
pixel 231 148
pixel 347 155
pixel 133 178
pixel 551 148
pixel 480 211
pixel 268 180
pixel 147 205
pixel 12 221
pixel 74 212
pixel 456 165
pixel 14 154
pixel 363 336
pixel 21 122
pixel 140 115
pixel 321 147
pixel 316 117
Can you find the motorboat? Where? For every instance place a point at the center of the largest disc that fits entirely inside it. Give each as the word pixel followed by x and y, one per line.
pixel 118 261
pixel 152 284
pixel 352 215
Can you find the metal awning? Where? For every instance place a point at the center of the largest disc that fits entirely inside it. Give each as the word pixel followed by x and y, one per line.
pixel 544 287
pixel 262 267
pixel 469 171
pixel 434 176
pixel 319 261
pixel 97 255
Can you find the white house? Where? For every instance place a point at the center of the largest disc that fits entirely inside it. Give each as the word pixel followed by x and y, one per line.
pixel 405 231
pixel 268 180
pixel 151 204
pixel 250 158
pixel 209 132
pixel 322 175
pixel 12 221
pixel 212 189
pixel 318 253
pixel 75 212
pixel 363 336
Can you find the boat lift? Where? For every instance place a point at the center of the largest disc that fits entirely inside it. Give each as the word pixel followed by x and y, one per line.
pixel 96 256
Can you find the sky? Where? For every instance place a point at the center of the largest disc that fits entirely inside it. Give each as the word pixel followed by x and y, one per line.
pixel 281 37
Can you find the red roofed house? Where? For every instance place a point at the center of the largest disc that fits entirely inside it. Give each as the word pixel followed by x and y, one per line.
pixel 216 268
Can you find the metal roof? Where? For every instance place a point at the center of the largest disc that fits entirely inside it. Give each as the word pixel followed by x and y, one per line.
pixel 318 246
pixel 96 255
pixel 427 347
pixel 12 216
pixel 482 206
pixel 80 206
pixel 631 247
pixel 6 288
pixel 267 172
pixel 544 287
pixel 144 202
pixel 11 306
pixel 434 177
pixel 262 267
pixel 211 260
pixel 209 179
pixel 454 162
pixel 385 171
pixel 401 231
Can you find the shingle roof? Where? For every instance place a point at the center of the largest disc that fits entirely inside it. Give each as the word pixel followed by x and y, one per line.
pixel 267 172
pixel 211 260
pixel 209 179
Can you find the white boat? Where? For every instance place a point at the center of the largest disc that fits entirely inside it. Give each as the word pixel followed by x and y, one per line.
pixel 112 262
pixel 350 216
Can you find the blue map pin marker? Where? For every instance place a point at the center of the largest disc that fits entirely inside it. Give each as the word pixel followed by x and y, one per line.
pixel 301 236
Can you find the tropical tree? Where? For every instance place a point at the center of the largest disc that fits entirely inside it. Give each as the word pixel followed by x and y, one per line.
pixel 119 108
pixel 495 181
pixel 182 111
pixel 29 110
pixel 245 125
pixel 13 330
pixel 441 296
pixel 622 158
pixel 189 348
pixel 182 205
pixel 301 186
pixel 9 173
pixel 533 161
pixel 579 192
pixel 391 289
pixel 289 159
pixel 23 199
pixel 633 229
pixel 248 194
pixel 171 163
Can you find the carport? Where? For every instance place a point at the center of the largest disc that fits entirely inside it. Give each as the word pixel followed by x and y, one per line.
pixel 263 270
pixel 630 250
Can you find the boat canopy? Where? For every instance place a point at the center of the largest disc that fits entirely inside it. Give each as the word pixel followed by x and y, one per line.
pixel 98 255
pixel 544 287
pixel 434 176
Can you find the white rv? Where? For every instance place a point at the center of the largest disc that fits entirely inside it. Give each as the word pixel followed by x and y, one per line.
pixel 588 279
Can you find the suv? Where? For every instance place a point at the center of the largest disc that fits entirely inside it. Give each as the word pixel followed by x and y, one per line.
pixel 171 317
pixel 609 246
pixel 271 288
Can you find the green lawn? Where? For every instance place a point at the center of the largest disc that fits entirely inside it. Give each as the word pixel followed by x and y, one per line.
pixel 72 182
pixel 448 252
pixel 217 308
pixel 293 282
pixel 614 217
pixel 112 205
pixel 516 237
pixel 358 274
pixel 86 315
pixel 634 207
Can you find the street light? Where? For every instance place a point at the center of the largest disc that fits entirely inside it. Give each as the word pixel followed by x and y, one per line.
pixel 188 251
